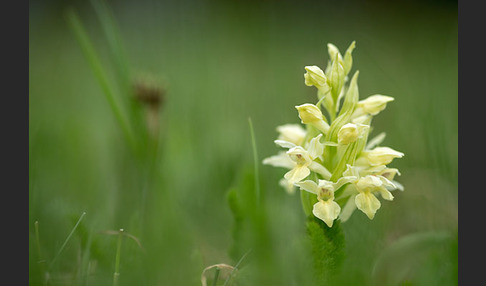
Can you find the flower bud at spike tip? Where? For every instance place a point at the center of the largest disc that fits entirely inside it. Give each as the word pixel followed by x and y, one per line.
pixel 333 51
pixel 348 59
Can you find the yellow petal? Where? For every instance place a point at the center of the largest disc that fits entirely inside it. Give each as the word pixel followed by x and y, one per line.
pixel 308 185
pixel 309 113
pixel 298 173
pixel 280 160
pixel 386 194
pixel 316 148
pixel 367 203
pixel 327 211
pixel 382 156
pixel 375 103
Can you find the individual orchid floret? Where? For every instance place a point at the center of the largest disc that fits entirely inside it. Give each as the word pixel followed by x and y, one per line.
pixel 314 76
pixel 382 172
pixel 361 193
pixel 326 208
pixel 304 160
pixel 293 133
pixel 372 105
pixel 389 174
pixel 311 114
pixel 366 201
pixel 381 156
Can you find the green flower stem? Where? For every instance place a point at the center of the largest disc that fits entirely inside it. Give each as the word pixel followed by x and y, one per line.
pixel 327 248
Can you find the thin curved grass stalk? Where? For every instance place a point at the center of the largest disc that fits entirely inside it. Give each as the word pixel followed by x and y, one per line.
pixel 219 267
pixel 230 276
pixel 66 241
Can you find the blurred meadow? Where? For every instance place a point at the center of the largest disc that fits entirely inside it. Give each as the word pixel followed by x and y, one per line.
pixel 165 171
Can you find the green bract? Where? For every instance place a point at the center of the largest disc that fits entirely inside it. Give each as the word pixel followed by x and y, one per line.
pixel 332 159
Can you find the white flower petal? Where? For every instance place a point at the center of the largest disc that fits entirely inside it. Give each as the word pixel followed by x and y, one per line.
pixel 386 182
pixel 284 144
pixel 280 160
pixel 398 186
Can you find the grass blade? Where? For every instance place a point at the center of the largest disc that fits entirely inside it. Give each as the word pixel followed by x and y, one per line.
pixel 66 241
pixel 255 159
pixel 95 64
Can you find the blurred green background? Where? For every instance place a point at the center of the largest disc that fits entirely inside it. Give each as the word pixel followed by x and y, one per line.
pixel 221 63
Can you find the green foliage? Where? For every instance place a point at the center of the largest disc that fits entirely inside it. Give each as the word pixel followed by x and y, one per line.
pixel 327 248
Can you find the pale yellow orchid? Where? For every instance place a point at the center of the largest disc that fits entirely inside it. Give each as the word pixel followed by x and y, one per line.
pixel 299 160
pixel 304 160
pixel 380 156
pixel 366 200
pixel 372 105
pixel 363 190
pixel 326 208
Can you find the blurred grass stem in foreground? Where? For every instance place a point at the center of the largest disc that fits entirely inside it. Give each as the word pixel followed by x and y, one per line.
pixel 100 74
pixel 66 241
